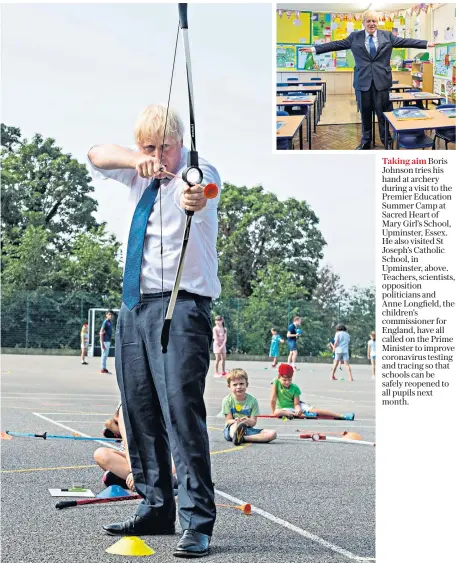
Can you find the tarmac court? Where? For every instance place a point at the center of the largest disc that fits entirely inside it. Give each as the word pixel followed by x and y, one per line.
pixel 311 501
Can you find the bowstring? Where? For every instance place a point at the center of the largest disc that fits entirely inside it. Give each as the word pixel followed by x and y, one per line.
pixel 160 162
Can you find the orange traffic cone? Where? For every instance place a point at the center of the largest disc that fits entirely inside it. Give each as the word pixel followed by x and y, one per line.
pixel 245 508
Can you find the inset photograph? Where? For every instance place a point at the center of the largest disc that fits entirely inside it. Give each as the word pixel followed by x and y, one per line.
pixel 365 77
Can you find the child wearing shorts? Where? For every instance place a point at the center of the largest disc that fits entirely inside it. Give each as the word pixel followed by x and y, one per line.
pixel 285 399
pixel 341 349
pixel 241 410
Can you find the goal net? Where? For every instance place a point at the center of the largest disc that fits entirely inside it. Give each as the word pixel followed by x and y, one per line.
pixel 95 319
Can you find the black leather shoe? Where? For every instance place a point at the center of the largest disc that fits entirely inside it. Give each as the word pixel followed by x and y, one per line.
pixel 140 526
pixel 363 147
pixel 193 544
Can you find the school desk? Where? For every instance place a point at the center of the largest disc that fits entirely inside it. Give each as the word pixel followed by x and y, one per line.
pixel 315 90
pixel 407 97
pixel 320 82
pixel 291 124
pixel 399 87
pixel 286 103
pixel 437 119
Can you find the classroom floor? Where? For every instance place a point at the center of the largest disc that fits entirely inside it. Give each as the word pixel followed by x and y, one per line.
pixel 339 110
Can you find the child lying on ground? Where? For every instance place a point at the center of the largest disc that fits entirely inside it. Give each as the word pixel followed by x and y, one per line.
pixel 285 398
pixel 241 410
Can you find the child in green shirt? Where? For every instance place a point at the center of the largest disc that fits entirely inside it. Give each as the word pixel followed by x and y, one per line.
pixel 241 410
pixel 285 399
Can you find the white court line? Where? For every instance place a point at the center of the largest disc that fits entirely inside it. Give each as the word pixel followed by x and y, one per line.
pixel 106 444
pixel 84 421
pixel 82 413
pixel 300 531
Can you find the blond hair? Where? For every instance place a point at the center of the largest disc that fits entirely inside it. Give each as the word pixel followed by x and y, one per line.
pixel 151 123
pixel 369 13
pixel 235 374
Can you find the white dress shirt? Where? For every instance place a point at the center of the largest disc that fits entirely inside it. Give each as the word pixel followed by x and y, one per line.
pixel 200 272
pixel 366 41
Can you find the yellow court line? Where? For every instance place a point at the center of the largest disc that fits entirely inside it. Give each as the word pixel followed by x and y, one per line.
pixel 229 450
pixel 47 468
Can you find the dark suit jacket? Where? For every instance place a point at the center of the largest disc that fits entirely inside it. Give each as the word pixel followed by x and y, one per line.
pixel 367 69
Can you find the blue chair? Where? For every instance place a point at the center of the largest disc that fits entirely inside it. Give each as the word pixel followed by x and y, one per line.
pixel 447 134
pixel 282 144
pixel 415 140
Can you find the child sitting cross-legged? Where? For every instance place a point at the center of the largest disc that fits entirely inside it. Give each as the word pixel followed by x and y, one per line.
pixel 285 399
pixel 241 410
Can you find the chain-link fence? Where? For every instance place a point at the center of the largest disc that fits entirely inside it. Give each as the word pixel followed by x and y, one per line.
pixel 46 319
pixel 51 320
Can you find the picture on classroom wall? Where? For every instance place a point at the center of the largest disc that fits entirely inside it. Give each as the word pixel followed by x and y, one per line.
pixel 444 59
pixel 312 61
pixel 286 57
pixel 294 27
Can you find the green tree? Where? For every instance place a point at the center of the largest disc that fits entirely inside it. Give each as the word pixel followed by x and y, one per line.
pixel 29 262
pixel 359 317
pixel 257 231
pixel 57 262
pixel 43 187
pixel 93 265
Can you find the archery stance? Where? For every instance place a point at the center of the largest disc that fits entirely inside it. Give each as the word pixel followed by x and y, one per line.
pixel 162 394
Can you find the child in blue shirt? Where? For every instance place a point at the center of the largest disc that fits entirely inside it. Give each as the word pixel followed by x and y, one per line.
pixel 275 346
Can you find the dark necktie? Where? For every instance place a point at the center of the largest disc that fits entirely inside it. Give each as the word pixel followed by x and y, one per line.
pixel 131 283
pixel 372 49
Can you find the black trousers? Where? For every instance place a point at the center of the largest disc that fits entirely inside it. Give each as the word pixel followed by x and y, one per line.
pixel 370 101
pixel 164 409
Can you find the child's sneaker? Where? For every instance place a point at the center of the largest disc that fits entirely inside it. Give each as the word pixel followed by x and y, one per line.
pixel 109 478
pixel 224 373
pixel 239 433
pixel 218 375
pixel 349 416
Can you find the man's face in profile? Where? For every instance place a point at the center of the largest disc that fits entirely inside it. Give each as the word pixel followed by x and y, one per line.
pixel 370 24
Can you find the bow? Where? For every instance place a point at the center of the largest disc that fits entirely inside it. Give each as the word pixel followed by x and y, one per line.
pixel 192 175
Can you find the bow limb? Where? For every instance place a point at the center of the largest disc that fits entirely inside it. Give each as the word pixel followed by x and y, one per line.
pixel 191 176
